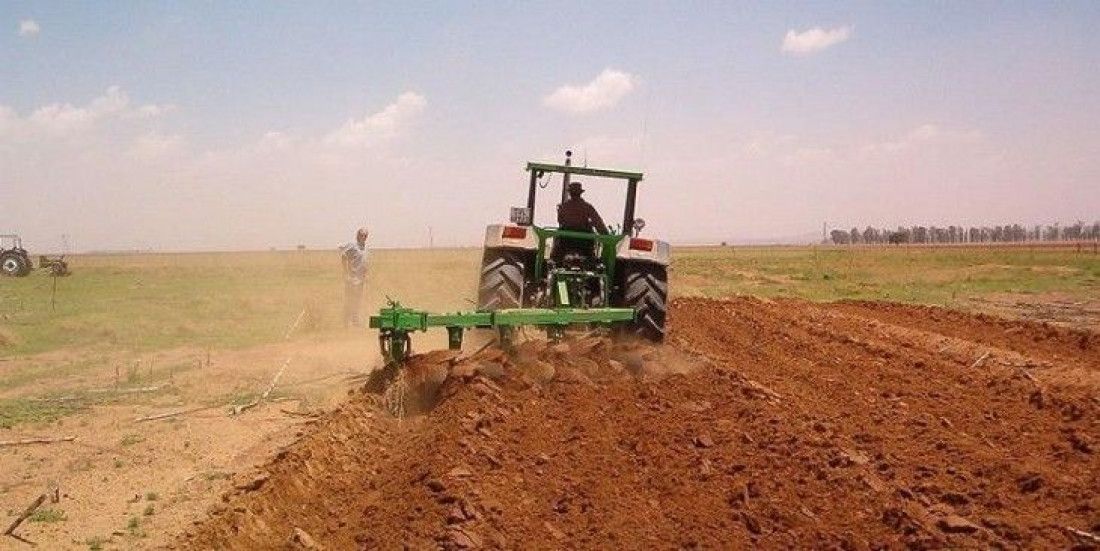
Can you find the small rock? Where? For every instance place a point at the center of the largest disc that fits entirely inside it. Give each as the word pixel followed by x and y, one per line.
pixel 543 372
pixel 695 407
pixel 465 539
pixel 492 370
pixel 255 483
pixel 435 485
pixel 300 539
pixel 1080 443
pixel 705 468
pixel 464 371
pixel 751 524
pixel 492 355
pixel 855 457
pixel 460 472
pixel 954 524
pixel 615 366
pixel 586 346
pixel 542 459
pixel 456 515
pixel 554 532
pixel 704 441
pixel 1030 483
pixel 561 348
pixel 570 375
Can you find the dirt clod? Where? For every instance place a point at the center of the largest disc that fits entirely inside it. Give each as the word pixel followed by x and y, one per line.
pixel 955 524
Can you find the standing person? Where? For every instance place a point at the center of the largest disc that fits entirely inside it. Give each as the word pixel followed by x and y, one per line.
pixel 354 258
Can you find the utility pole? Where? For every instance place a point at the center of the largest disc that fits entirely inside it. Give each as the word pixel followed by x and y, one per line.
pixel 431 238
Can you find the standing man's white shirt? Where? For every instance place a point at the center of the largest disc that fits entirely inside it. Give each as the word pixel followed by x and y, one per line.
pixel 356 258
pixel 353 256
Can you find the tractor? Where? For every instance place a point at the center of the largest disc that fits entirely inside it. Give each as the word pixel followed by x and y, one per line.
pixel 15 261
pixel 529 277
pixel 524 265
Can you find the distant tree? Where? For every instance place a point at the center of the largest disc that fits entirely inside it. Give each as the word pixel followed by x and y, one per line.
pixel 870 235
pixel 854 236
pixel 839 237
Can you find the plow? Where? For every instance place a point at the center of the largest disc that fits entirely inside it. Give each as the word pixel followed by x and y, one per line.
pixel 550 277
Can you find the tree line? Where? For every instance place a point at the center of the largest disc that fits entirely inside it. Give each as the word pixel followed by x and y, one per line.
pixel 1014 233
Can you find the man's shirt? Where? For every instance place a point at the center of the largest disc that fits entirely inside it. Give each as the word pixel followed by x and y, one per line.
pixel 576 214
pixel 356 259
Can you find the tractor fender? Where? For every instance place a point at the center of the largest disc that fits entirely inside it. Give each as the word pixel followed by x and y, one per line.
pixel 495 237
pixel 645 250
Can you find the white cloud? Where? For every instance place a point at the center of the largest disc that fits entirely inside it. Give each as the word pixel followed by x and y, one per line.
pixel 814 40
pixel 119 174
pixel 925 135
pixel 602 92
pixel 64 117
pixel 28 27
pixel 381 125
pixel 154 146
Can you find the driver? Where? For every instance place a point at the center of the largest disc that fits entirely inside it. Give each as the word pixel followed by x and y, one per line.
pixel 576 214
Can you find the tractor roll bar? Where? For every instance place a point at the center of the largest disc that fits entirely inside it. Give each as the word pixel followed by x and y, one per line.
pixel 567 169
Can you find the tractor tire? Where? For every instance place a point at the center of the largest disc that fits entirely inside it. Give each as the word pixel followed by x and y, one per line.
pixel 13 264
pixel 644 287
pixel 503 279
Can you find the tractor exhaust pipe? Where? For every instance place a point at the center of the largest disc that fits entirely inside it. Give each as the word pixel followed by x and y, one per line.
pixel 565 176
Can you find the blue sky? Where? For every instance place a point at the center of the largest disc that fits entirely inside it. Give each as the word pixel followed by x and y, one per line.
pixel 229 125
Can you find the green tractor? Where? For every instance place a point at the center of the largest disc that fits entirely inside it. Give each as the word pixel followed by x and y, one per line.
pixel 525 265
pixel 534 276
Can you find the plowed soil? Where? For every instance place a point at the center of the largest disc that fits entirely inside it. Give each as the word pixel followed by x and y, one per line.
pixel 777 424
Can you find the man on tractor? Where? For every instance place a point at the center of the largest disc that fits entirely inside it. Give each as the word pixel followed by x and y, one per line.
pixel 576 214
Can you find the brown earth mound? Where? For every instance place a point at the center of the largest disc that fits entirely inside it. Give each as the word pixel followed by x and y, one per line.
pixel 778 424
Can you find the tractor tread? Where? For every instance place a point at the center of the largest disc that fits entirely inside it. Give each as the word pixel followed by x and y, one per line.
pixel 502 280
pixel 645 288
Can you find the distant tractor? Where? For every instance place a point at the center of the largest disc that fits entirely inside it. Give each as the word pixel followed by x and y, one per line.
pixel 15 261
pixel 525 265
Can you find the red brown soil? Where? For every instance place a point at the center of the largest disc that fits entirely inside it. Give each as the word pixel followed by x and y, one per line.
pixel 780 424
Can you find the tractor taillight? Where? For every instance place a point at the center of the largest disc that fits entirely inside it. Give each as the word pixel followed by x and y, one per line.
pixel 638 244
pixel 514 232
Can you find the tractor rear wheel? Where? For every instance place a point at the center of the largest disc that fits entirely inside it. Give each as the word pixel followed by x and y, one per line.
pixel 14 264
pixel 503 278
pixel 644 287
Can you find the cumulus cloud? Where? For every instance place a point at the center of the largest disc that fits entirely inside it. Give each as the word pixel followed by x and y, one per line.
pixel 28 27
pixel 814 40
pixel 602 92
pixel 118 173
pixel 378 126
pixel 62 118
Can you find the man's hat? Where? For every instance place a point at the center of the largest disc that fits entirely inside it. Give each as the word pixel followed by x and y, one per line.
pixel 575 188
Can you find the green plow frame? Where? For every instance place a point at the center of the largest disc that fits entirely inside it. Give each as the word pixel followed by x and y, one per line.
pixel 395 322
